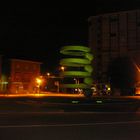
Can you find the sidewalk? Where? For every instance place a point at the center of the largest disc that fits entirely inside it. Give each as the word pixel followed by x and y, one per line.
pixel 54 94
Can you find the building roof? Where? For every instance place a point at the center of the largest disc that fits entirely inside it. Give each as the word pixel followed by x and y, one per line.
pixel 28 61
pixel 111 13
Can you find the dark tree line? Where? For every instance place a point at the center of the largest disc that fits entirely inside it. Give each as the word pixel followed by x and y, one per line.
pixel 122 75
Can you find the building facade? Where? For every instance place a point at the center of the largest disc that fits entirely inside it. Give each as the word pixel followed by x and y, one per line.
pixel 1 81
pixel 22 75
pixel 0 66
pixel 111 36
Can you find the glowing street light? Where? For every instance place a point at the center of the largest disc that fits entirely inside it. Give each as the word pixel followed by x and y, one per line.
pixel 48 74
pixel 62 68
pixel 76 81
pixel 137 67
pixel 39 82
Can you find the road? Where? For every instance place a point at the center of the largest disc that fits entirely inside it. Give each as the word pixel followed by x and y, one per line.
pixel 69 118
pixel 68 103
pixel 70 125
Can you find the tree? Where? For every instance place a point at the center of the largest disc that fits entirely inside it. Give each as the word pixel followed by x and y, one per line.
pixel 122 74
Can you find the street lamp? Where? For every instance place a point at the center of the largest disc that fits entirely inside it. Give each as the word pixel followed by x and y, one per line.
pixel 48 74
pixel 76 80
pixel 137 66
pixel 39 82
pixel 62 68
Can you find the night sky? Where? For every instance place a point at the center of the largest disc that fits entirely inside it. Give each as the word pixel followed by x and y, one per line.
pixel 36 33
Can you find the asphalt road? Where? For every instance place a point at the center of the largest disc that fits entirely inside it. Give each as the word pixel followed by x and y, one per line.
pixel 28 118
pixel 68 104
pixel 70 126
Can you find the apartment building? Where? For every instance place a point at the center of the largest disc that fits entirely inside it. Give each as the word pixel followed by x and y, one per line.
pixel 22 75
pixel 111 36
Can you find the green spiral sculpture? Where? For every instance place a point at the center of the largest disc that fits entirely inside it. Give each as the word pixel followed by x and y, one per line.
pixel 78 65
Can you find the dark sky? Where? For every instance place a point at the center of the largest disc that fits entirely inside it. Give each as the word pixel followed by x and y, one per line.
pixel 36 33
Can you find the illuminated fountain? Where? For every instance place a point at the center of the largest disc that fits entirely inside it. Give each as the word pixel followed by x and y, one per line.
pixel 78 67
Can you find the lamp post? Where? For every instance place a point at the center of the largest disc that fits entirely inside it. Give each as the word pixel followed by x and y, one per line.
pixel 48 74
pixel 39 82
pixel 76 80
pixel 62 68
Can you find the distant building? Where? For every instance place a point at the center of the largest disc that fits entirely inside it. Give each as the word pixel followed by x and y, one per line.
pixel 111 36
pixel 1 80
pixel 0 66
pixel 22 75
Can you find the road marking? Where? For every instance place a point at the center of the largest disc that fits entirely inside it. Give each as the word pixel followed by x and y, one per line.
pixel 69 112
pixel 69 125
